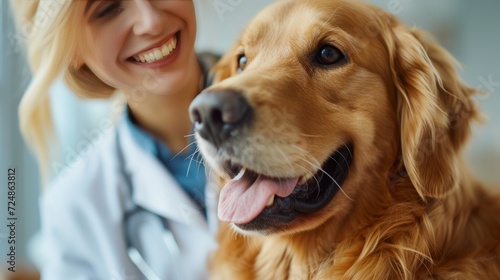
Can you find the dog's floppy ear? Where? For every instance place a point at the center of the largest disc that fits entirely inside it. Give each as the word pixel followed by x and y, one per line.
pixel 226 66
pixel 434 110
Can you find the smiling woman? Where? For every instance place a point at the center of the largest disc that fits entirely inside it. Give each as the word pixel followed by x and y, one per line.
pixel 82 124
pixel 121 208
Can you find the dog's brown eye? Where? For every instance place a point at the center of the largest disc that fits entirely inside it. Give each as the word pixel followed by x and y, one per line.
pixel 328 55
pixel 242 63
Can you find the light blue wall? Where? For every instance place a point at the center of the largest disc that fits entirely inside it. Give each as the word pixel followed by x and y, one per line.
pixel 14 75
pixel 480 56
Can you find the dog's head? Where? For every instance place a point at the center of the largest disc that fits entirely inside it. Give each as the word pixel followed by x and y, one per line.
pixel 322 102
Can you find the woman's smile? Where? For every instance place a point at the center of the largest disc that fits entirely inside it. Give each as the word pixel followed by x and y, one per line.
pixel 157 53
pixel 160 54
pixel 139 41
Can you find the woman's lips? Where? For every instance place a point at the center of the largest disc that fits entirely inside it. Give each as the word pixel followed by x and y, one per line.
pixel 158 53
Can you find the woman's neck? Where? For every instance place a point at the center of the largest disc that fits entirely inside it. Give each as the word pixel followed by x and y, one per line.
pixel 166 116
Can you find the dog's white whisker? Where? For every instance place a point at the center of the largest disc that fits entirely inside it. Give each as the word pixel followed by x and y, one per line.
pixel 338 164
pixel 348 149
pixel 197 154
pixel 183 149
pixel 189 165
pixel 307 171
pixel 199 159
pixel 335 181
pixel 350 153
pixel 319 168
pixel 313 174
pixel 313 163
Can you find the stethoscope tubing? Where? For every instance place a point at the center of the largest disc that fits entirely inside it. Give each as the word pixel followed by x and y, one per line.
pixel 168 238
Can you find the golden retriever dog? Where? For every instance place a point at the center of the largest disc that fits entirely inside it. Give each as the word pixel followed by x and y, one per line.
pixel 339 134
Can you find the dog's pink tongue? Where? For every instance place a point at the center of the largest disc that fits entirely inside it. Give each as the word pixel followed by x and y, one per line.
pixel 241 200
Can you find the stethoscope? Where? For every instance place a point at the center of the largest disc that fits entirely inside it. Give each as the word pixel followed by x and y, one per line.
pixel 139 217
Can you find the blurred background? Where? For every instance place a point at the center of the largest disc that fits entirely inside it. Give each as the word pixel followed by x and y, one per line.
pixel 468 29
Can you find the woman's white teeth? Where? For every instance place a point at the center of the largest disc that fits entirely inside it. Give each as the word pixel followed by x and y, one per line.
pixel 157 53
pixel 270 201
pixel 240 174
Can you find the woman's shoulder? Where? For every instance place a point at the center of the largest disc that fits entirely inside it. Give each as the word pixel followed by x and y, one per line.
pixel 87 174
pixel 207 61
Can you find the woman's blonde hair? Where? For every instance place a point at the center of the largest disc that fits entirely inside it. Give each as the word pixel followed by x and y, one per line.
pixel 53 34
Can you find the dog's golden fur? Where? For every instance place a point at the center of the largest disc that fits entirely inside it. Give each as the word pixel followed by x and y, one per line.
pixel 409 208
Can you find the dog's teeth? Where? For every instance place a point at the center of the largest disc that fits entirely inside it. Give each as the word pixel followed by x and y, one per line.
pixel 240 174
pixel 270 201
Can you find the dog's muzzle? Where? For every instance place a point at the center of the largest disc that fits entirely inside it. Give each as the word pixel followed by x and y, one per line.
pixel 253 201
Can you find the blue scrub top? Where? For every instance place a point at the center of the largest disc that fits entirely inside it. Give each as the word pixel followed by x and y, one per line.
pixel 185 167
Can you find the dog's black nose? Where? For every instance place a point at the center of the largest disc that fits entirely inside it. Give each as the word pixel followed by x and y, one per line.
pixel 218 115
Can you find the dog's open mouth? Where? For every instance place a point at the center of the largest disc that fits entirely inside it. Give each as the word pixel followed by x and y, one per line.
pixel 254 201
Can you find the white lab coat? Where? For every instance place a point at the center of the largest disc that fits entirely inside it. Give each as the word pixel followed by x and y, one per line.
pixel 82 214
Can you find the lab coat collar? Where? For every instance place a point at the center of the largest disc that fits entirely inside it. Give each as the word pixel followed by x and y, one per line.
pixel 153 187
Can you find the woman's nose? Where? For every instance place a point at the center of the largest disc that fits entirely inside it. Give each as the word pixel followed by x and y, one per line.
pixel 149 19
